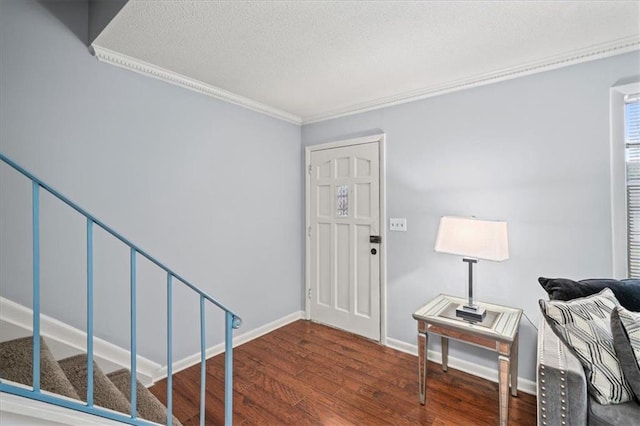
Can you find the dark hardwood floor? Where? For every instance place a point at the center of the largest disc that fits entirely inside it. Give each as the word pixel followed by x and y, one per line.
pixel 306 373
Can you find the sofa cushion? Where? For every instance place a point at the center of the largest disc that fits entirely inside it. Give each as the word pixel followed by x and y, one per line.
pixel 627 413
pixel 626 291
pixel 584 325
pixel 625 326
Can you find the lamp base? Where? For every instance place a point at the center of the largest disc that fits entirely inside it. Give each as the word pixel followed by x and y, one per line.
pixel 471 313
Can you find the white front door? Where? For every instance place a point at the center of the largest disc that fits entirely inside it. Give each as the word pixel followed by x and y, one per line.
pixel 344 213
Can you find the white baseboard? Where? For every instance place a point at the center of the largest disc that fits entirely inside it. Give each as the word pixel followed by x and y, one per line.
pixel 51 328
pixel 524 385
pixel 21 316
pixel 237 340
pixel 148 371
pixel 17 410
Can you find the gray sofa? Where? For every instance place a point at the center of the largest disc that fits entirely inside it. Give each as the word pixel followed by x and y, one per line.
pixel 562 389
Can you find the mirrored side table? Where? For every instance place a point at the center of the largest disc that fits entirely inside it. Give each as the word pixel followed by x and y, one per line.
pixel 498 332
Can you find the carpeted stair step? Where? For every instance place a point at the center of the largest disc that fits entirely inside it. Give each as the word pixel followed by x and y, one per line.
pixel 149 407
pixel 68 377
pixel 16 365
pixel 105 393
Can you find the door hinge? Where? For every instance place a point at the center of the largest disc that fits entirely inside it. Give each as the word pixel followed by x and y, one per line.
pixel 309 294
pixel 309 231
pixel 309 169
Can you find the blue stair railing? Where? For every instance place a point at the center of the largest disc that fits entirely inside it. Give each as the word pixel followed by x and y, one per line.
pixel 232 321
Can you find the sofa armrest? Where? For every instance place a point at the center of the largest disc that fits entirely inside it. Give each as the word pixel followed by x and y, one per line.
pixel 561 382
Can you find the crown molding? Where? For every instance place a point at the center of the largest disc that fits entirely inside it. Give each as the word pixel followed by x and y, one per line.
pixel 599 51
pixel 145 68
pixel 574 57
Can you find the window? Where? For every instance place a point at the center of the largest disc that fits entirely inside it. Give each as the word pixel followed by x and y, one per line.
pixel 342 195
pixel 632 160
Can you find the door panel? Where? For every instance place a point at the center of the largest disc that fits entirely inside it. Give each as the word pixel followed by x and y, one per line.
pixel 343 250
pixel 324 264
pixel 363 200
pixel 344 213
pixel 363 272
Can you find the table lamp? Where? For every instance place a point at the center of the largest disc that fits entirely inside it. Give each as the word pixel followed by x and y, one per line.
pixel 473 239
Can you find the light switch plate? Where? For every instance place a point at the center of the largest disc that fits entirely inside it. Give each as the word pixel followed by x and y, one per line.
pixel 398 224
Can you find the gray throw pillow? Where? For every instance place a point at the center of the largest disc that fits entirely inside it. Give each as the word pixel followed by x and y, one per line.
pixel 627 292
pixel 625 326
pixel 584 325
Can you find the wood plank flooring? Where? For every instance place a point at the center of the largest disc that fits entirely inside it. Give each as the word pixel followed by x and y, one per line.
pixel 310 374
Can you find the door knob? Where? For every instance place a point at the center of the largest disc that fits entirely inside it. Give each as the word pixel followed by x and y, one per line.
pixel 374 251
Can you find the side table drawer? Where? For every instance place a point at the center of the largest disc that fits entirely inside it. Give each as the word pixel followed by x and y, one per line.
pixel 463 336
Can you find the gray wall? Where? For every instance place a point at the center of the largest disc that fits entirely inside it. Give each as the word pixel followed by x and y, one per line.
pixel 215 190
pixel 209 188
pixel 533 151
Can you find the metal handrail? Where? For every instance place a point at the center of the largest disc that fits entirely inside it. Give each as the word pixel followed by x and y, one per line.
pixel 232 321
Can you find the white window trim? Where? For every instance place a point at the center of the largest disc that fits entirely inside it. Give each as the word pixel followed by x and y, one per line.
pixel 618 178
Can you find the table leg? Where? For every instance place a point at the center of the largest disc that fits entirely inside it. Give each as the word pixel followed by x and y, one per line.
pixel 503 386
pixel 514 367
pixel 422 365
pixel 445 352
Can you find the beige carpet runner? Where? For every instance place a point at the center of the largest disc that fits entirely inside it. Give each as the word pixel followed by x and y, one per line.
pixel 68 377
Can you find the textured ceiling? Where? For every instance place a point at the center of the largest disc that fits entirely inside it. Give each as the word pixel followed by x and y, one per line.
pixel 317 59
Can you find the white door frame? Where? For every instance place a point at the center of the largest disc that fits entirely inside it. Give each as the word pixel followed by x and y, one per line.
pixel 380 139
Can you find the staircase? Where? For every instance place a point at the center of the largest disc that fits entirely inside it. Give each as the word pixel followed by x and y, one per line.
pixel 68 378
pixel 29 370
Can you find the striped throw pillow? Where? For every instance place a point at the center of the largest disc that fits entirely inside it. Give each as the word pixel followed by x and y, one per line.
pixel 584 325
pixel 625 326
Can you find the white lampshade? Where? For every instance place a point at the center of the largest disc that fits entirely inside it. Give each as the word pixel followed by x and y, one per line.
pixel 480 239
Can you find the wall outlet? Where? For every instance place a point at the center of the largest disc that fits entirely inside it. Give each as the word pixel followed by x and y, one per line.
pixel 398 224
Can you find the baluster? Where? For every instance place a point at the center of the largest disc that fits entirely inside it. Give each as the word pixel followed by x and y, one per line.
pixel 203 365
pixel 36 284
pixel 133 389
pixel 231 322
pixel 228 368
pixel 89 312
pixel 169 349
